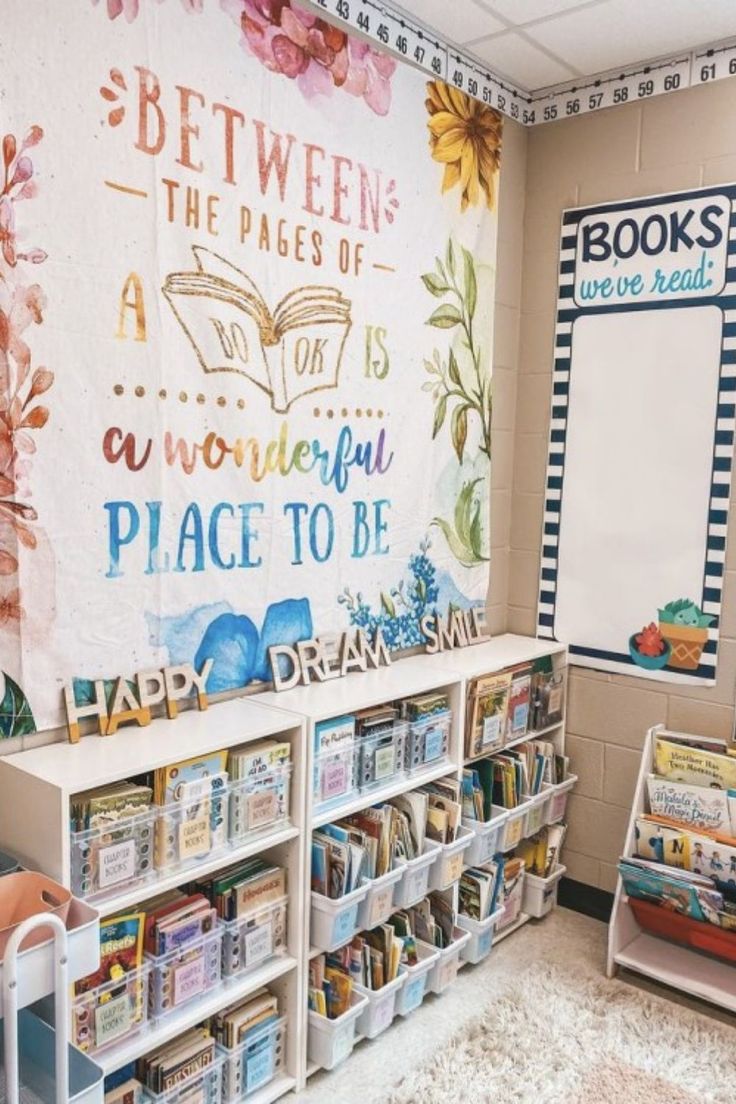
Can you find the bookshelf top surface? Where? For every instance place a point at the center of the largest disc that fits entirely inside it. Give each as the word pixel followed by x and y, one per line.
pixel 495 654
pixel 362 689
pixel 412 675
pixel 96 760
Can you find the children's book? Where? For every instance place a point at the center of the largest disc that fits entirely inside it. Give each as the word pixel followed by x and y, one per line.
pixel 678 890
pixel 679 762
pixel 697 806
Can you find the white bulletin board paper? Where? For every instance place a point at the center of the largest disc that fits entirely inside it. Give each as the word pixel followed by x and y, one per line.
pixel 641 439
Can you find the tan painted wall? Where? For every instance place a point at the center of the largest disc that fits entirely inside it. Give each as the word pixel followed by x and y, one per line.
pixel 677 141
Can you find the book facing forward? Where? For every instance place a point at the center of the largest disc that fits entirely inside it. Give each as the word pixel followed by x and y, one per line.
pixel 288 352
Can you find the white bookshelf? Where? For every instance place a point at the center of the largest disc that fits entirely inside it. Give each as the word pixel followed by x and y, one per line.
pixel 35 827
pixel 632 948
pixel 449 672
pixel 35 824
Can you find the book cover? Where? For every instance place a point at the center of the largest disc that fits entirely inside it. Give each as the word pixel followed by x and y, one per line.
pixel 698 806
pixel 681 763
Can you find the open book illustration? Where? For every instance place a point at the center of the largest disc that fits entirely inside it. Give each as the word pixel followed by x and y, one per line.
pixel 290 352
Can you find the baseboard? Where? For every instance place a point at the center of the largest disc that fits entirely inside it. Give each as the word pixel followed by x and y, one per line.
pixel 589 900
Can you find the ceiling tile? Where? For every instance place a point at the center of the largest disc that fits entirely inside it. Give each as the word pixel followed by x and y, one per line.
pixel 460 21
pixel 519 12
pixel 520 61
pixel 620 32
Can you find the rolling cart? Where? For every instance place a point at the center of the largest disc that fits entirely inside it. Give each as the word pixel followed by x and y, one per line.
pixel 37 1063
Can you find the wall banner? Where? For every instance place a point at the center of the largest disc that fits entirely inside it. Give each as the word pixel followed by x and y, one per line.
pixel 246 294
pixel 642 433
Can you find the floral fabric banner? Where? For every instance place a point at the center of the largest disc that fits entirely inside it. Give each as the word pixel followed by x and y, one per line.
pixel 246 295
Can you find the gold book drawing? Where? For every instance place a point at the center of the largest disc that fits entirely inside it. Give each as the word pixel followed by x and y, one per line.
pixel 293 351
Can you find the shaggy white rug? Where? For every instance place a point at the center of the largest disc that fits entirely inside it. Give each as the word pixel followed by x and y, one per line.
pixel 555 1038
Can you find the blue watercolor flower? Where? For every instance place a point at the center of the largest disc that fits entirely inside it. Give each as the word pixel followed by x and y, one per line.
pixel 231 640
pixel 285 623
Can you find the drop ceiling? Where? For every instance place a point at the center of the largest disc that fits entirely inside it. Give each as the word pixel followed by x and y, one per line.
pixel 537 43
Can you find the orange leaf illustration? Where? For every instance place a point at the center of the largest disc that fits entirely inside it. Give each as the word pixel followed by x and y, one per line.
pixel 36 419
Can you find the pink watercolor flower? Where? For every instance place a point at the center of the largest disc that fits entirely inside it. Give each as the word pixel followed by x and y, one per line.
pixel 369 75
pixel 129 9
pixel 299 45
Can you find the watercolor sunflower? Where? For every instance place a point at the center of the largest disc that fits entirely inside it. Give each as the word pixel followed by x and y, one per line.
pixel 465 137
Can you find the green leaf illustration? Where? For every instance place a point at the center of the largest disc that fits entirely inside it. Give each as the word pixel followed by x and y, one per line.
pixel 439 415
pixel 464 537
pixel 450 257
pixel 445 317
pixel 476 538
pixel 453 369
pixel 16 718
pixel 471 286
pixel 459 430
pixel 434 285
pixel 387 604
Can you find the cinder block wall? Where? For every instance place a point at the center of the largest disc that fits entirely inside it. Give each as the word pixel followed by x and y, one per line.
pixel 678 141
pixel 507 322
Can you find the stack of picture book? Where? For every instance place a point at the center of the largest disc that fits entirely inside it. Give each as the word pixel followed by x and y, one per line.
pixel 244 888
pixel 444 809
pixel 117 979
pixel 541 852
pixel 105 806
pixel 240 1021
pixel 368 844
pixel 480 889
pixel 685 856
pixel 178 1061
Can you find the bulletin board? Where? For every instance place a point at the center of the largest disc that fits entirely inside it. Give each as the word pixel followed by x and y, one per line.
pixel 641 435
pixel 247 269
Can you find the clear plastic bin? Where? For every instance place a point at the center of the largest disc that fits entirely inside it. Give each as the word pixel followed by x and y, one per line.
pixel 536 818
pixel 445 969
pixel 428 741
pixel 514 829
pixel 450 862
pixel 381 1008
pixel 411 994
pixel 486 838
pixel 254 1062
pixel 111 1012
pixel 381 757
pixel 558 800
pixel 189 831
pixel 185 973
pixel 253 938
pixel 103 858
pixel 334 923
pixel 377 905
pixel 415 883
pixel 334 775
pixel 204 1088
pixel 330 1042
pixel 481 935
pixel 540 894
pixel 259 804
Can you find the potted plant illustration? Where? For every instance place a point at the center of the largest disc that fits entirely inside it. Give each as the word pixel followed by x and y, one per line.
pixel 685 628
pixel 649 649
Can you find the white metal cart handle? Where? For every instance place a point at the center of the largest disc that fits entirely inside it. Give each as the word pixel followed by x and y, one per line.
pixel 10 1005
